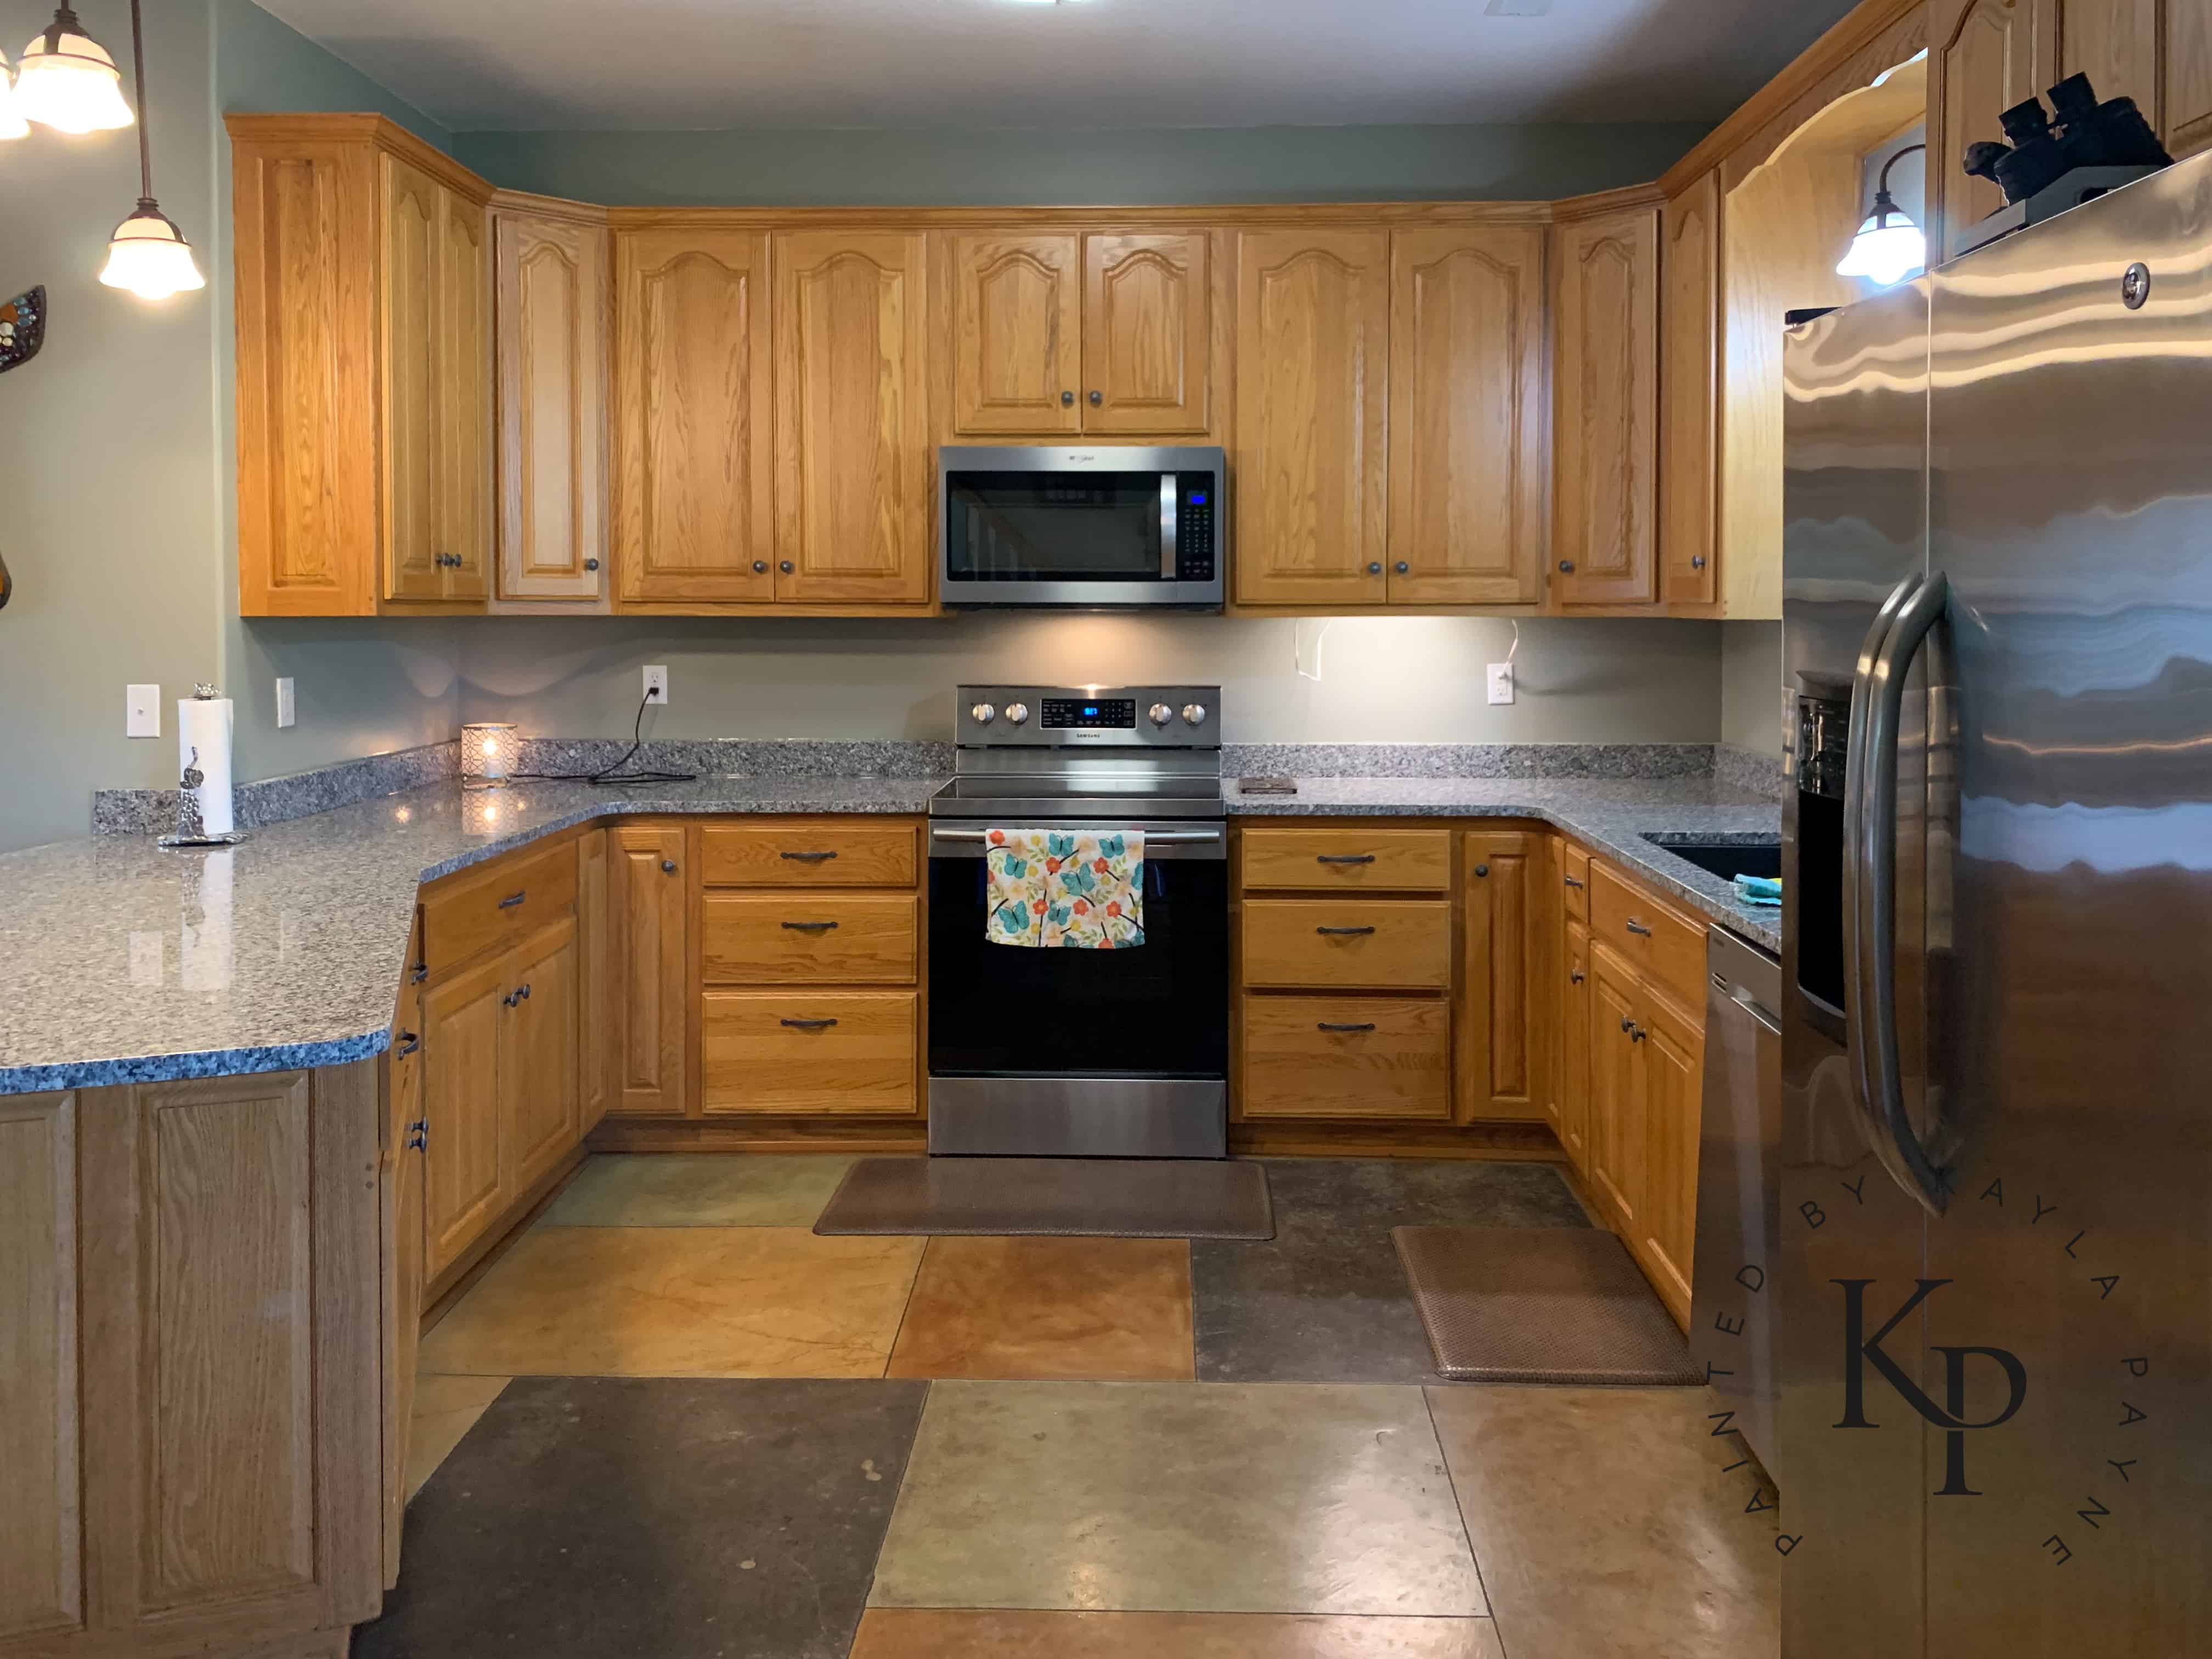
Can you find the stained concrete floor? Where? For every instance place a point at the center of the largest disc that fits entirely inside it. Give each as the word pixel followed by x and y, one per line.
pixel 727 1437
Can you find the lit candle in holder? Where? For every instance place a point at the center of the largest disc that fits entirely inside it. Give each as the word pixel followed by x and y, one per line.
pixel 487 754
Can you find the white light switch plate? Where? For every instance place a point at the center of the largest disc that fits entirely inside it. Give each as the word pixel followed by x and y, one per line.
pixel 141 711
pixel 286 711
pixel 1501 682
pixel 656 685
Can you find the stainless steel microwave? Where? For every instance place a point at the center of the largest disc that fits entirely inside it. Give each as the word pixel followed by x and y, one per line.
pixel 1083 527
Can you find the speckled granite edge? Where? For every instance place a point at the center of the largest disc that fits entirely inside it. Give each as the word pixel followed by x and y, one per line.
pixel 1749 768
pixel 279 800
pixel 732 757
pixel 1467 760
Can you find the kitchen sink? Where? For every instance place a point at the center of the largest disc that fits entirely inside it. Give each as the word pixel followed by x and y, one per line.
pixel 1726 859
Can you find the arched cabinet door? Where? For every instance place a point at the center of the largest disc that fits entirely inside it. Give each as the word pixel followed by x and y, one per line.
pixel 1017 321
pixel 1147 333
pixel 1606 409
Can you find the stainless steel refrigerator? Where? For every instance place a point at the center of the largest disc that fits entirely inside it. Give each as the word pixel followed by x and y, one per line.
pixel 1994 1289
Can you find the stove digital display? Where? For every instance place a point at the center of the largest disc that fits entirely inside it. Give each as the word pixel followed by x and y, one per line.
pixel 1089 714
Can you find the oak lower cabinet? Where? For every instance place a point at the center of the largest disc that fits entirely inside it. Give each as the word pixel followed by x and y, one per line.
pixel 401 1177
pixel 649 929
pixel 189 1375
pixel 1570 1110
pixel 1504 1062
pixel 462 1017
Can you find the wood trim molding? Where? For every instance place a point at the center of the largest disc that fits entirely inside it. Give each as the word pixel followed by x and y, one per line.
pixel 549 207
pixel 1599 203
pixel 1105 218
pixel 381 130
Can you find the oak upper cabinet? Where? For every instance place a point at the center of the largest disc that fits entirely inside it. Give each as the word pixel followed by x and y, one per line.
pixel 694 424
pixel 1606 405
pixel 1984 57
pixel 855 475
pixel 647 903
pixel 465 446
pixel 1017 333
pixel 1313 328
pixel 1468 445
pixel 551 326
pixel 1503 1071
pixel 2185 94
pixel 1147 333
pixel 2116 44
pixel 1689 394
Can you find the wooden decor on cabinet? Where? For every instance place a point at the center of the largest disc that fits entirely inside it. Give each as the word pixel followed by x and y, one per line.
pixel 550 264
pixel 1313 328
pixel 364 284
pixel 1468 451
pixel 1605 404
pixel 1689 392
pixel 694 417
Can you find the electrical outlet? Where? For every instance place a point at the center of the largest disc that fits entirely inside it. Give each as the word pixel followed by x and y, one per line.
pixel 656 685
pixel 286 711
pixel 1501 682
pixel 141 711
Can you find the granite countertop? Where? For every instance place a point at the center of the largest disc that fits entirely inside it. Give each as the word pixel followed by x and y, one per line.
pixel 124 964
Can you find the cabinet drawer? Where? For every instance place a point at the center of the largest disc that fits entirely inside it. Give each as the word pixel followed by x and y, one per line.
pixel 1330 861
pixel 1665 948
pixel 1346 1057
pixel 1369 944
pixel 847 1053
pixel 799 938
pixel 1575 880
pixel 517 895
pixel 810 853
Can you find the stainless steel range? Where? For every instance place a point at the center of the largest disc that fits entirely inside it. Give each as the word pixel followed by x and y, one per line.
pixel 1076 1053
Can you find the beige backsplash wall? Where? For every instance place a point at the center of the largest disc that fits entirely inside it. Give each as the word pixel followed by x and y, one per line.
pixel 1402 680
pixel 1751 685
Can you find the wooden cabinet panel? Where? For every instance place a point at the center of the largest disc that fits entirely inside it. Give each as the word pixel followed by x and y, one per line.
pixel 1017 320
pixel 1575 880
pixel 2186 91
pixel 2116 44
pixel 1984 55
pixel 693 419
pixel 462 1019
pixel 465 397
pixel 1605 436
pixel 1346 1057
pixel 1571 1116
pixel 854 469
pixel 842 1052
pixel 1404 860
pixel 1665 947
pixel 413 225
pixel 598 1014
pixel 400 1176
pixel 1313 327
pixel 538 1076
pixel 1362 944
pixel 810 853
pixel 552 318
pixel 1616 1093
pixel 1501 1029
pixel 41 1548
pixel 1689 394
pixel 652 966
pixel 1468 444
pixel 1673 1058
pixel 476 913
pixel 1147 332
pixel 813 938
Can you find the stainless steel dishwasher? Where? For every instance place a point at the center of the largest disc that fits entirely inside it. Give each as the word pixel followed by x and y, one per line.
pixel 1732 1315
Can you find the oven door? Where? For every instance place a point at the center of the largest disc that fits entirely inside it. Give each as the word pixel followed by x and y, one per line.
pixel 1080 1053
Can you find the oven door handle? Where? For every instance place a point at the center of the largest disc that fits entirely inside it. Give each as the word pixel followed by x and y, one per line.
pixel 1151 836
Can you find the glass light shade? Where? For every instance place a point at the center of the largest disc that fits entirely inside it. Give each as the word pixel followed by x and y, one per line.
pixel 12 123
pixel 149 256
pixel 1888 249
pixel 73 87
pixel 488 749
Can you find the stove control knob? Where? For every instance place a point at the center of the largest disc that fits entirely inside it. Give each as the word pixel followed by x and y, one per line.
pixel 1016 713
pixel 1194 714
pixel 1160 714
pixel 982 713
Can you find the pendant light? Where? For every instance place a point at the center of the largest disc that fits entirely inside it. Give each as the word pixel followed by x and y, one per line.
pixel 68 82
pixel 148 254
pixel 12 123
pixel 1889 246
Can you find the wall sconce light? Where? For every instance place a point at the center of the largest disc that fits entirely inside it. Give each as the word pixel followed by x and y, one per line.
pixel 68 82
pixel 1889 247
pixel 487 753
pixel 148 254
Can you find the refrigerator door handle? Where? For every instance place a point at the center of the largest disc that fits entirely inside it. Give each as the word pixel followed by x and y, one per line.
pixel 1914 612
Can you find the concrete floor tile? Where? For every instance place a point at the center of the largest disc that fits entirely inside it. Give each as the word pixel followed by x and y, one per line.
pixel 698 1189
pixel 1048 1308
pixel 680 1302
pixel 908 1634
pixel 1605 1525
pixel 586 1518
pixel 1163 1497
pixel 446 1408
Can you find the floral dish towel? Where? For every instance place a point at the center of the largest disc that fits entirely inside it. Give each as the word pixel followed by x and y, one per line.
pixel 1065 889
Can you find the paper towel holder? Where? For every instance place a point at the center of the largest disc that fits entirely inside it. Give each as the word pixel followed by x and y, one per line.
pixel 191 829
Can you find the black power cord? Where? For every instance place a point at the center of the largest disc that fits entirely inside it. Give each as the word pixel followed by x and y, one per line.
pixel 614 774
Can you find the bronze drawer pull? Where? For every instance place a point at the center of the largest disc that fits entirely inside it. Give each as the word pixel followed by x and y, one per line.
pixel 810 926
pixel 1326 1026
pixel 1626 1023
pixel 418 1135
pixel 1638 928
pixel 809 1025
pixel 807 858
pixel 1574 976
pixel 1571 881
pixel 409 1042
pixel 1342 933
pixel 513 899
pixel 1344 858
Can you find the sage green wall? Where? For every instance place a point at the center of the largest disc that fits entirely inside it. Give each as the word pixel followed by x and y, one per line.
pixel 1751 685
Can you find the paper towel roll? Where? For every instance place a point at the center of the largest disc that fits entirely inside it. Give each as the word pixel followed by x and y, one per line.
pixel 203 725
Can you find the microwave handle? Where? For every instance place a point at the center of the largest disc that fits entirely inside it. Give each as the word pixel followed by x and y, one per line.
pixel 1169 561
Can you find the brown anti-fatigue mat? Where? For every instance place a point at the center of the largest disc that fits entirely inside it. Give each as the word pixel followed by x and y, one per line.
pixel 1101 1198
pixel 1540 1305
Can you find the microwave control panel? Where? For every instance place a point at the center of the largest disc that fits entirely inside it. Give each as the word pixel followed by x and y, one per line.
pixel 1195 543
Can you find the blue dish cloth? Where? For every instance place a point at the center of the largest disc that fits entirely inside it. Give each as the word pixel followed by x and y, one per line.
pixel 1758 890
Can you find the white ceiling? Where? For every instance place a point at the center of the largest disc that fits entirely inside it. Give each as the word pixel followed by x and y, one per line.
pixel 666 64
